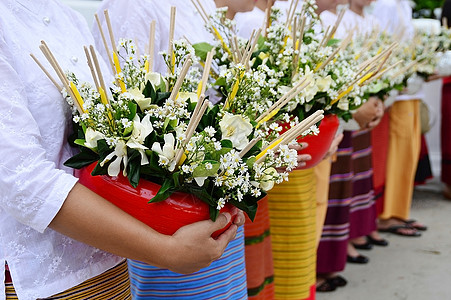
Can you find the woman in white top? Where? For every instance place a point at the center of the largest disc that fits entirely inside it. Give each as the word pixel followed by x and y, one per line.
pixel 405 132
pixel 48 220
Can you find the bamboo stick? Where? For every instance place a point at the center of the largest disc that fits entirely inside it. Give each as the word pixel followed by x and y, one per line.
pixel 58 86
pixel 249 147
pixel 97 67
pixel 152 45
pixel 179 82
pixel 91 67
pixel 105 44
pixel 171 37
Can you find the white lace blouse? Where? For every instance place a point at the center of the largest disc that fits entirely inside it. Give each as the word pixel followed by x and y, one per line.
pixel 34 124
pixel 132 21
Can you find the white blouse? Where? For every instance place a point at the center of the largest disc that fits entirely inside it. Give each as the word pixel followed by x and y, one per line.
pixel 34 125
pixel 362 25
pixel 132 21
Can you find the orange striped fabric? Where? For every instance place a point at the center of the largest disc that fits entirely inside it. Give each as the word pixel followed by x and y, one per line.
pixel 259 263
pixel 113 284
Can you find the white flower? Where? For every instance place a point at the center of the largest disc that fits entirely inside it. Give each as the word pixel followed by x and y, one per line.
pixel 121 155
pixel 144 103
pixel 168 151
pixel 141 129
pixel 154 78
pixel 91 138
pixel 267 180
pixel 184 96
pixel 236 129
pixel 221 203
pixel 323 84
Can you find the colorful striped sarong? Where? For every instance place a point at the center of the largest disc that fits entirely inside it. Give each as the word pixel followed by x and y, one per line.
pixel 292 211
pixel 362 214
pixel 225 278
pixel 113 284
pixel 259 261
pixel 445 131
pixel 332 248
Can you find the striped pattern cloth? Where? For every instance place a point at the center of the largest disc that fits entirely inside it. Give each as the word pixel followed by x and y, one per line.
pixel 292 210
pixel 363 214
pixel 225 278
pixel 258 250
pixel 113 284
pixel 351 209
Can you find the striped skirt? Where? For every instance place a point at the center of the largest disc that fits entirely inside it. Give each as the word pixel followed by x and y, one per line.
pixel 351 209
pixel 113 284
pixel 445 132
pixel 362 215
pixel 225 278
pixel 259 261
pixel 292 210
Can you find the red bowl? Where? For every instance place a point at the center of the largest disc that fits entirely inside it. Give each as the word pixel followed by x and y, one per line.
pixel 166 217
pixel 318 145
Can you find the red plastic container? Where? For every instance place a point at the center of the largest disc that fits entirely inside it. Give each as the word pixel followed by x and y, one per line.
pixel 318 145
pixel 166 217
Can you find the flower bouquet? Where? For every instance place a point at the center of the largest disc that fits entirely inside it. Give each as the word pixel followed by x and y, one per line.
pixel 156 139
pixel 285 55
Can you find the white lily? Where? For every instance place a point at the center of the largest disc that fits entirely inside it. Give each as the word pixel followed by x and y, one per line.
pixel 154 78
pixel 141 129
pixel 236 129
pixel 323 83
pixel 167 153
pixel 184 96
pixel 120 152
pixel 91 138
pixel 144 103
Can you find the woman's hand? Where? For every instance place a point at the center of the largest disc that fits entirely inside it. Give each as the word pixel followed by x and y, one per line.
pixel 370 113
pixel 334 146
pixel 192 247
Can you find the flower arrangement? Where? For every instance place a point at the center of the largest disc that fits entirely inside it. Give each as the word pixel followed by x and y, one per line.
pixel 161 128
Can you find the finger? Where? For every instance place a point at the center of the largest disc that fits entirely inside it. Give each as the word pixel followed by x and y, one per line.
pixel 228 235
pixel 304 157
pixel 303 145
pixel 239 219
pixel 221 221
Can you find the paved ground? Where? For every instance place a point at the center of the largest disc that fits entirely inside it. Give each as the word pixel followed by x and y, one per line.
pixel 409 268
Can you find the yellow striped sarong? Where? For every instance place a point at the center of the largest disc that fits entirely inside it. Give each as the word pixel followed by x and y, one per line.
pixel 292 210
pixel 112 284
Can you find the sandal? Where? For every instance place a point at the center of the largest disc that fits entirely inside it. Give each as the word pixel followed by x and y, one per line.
pixel 338 281
pixel 414 224
pixel 382 242
pixel 396 230
pixel 326 286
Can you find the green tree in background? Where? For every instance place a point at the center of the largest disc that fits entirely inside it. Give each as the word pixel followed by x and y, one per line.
pixel 425 8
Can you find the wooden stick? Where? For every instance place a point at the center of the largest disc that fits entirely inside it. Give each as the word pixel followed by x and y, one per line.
pixel 293 132
pixel 105 44
pixel 110 30
pixel 207 71
pixel 179 82
pixel 171 37
pixel 192 125
pixel 59 87
pixel 97 66
pixel 249 147
pixel 62 76
pixel 199 10
pixel 202 9
pixel 91 67
pixel 152 45
pixel 284 99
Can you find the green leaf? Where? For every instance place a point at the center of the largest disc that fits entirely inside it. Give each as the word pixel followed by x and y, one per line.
pixel 220 82
pixel 161 97
pixel 226 144
pixel 132 106
pixel 149 91
pixel 202 49
pixel 214 213
pixel 80 142
pixel 103 149
pixel 216 155
pixel 82 159
pixel 202 171
pixel 255 150
pixel 98 170
pixel 332 42
pixel 250 162
pixel 167 188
